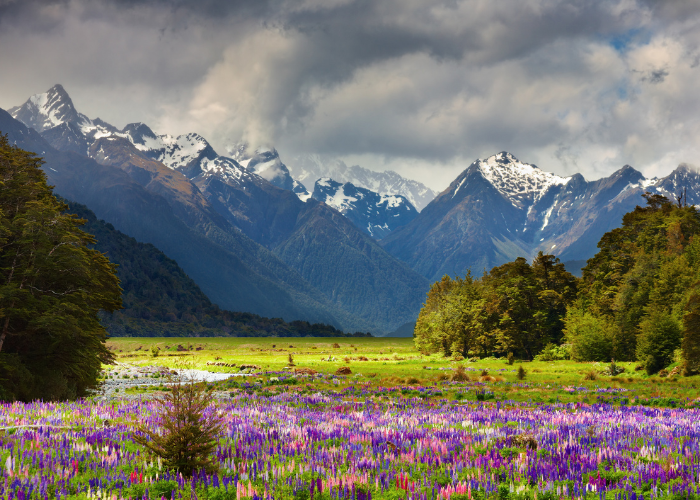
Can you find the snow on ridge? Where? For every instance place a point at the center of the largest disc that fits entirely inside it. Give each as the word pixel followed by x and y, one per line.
pixel 521 183
pixel 391 200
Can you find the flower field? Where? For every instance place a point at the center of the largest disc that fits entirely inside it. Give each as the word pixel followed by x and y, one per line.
pixel 340 445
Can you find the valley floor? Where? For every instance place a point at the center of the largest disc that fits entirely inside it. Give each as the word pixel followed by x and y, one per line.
pixel 397 425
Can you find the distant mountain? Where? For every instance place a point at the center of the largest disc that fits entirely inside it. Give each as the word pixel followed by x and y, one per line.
pixel 232 270
pixel 501 208
pixel 226 205
pixel 307 169
pixel 265 162
pixel 376 215
pixel 50 109
pixel 160 300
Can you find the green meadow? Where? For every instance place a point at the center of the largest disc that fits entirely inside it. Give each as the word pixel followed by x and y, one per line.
pixel 391 362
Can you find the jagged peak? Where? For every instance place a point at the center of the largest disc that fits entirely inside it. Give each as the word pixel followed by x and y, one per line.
pixel 523 184
pixel 47 110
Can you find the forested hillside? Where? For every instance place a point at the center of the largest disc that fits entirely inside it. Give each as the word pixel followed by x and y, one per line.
pixel 159 299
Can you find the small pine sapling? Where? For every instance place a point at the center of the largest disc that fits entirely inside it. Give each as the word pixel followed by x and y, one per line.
pixel 522 373
pixel 189 429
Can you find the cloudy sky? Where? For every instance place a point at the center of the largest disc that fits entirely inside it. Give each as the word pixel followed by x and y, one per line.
pixel 418 86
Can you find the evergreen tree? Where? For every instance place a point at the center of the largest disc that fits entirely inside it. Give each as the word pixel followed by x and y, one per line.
pixel 638 282
pixel 517 308
pixel 52 287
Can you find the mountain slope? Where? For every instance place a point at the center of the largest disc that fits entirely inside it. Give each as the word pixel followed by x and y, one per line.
pixel 160 300
pixel 376 215
pixel 356 273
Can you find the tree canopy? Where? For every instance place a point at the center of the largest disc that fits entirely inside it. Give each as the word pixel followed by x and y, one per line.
pixel 52 286
pixel 639 287
pixel 517 307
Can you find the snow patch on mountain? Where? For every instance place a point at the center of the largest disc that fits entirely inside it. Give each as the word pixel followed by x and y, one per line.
pixel 376 214
pixel 309 168
pixel 521 183
pixel 265 162
pixel 226 169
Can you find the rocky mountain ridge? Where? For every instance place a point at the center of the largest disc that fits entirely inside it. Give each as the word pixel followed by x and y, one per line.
pixel 308 169
pixel 500 208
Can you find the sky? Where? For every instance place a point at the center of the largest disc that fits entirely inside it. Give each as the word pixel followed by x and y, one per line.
pixel 420 87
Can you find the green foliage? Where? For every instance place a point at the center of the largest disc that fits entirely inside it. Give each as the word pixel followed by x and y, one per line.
pixel 522 373
pixel 52 344
pixel 188 429
pixel 553 352
pixel 660 335
pixel 591 337
pixel 517 308
pixel 644 268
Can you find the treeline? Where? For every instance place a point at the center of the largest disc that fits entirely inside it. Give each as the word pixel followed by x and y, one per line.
pixel 638 299
pixel 516 309
pixel 160 300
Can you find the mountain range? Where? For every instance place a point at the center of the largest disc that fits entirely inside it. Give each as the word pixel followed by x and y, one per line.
pixel 357 252
pixel 250 245
pixel 500 208
pixel 307 169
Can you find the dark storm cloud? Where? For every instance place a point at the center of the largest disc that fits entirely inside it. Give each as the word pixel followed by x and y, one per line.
pixel 566 84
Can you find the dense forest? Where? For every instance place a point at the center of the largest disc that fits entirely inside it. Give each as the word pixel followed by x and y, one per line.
pixel 159 299
pixel 638 299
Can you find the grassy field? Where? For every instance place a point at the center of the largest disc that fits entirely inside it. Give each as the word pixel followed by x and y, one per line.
pixel 391 362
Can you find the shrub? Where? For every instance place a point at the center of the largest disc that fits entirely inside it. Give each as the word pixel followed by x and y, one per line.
pixel 525 441
pixel 553 352
pixel 290 359
pixel 521 373
pixel 591 337
pixel 614 369
pixel 155 351
pixel 460 375
pixel 511 358
pixel 188 433
pixel 660 335
pixel 591 375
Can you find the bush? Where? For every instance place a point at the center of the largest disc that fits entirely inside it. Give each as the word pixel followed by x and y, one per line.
pixel 553 352
pixel 591 337
pixel 460 375
pixel 188 433
pixel 521 373
pixel 660 335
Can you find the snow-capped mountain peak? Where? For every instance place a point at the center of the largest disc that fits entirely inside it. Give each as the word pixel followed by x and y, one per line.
pixel 48 109
pixel 264 161
pixel 375 214
pixel 311 167
pixel 521 183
